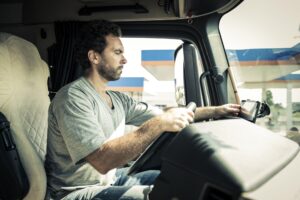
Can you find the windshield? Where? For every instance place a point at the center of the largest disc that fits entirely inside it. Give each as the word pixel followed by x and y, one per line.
pixel 262 42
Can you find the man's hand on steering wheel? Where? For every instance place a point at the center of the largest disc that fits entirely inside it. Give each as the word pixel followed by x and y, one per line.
pixel 172 121
pixel 175 119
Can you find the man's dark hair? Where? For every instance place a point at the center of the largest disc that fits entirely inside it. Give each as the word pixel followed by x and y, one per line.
pixel 93 38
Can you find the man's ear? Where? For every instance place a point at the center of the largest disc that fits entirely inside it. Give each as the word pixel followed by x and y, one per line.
pixel 94 57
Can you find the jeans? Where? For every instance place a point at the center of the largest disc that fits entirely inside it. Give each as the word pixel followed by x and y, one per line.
pixel 136 187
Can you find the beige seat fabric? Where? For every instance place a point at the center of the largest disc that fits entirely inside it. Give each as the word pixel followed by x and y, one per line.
pixel 24 101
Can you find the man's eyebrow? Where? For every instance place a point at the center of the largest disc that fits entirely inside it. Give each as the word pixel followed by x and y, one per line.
pixel 121 50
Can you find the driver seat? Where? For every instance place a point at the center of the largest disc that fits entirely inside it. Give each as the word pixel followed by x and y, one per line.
pixel 24 101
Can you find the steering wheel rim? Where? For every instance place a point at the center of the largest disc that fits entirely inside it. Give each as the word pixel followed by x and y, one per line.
pixel 154 147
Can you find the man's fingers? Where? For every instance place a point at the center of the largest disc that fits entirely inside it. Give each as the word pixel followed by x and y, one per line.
pixel 191 114
pixel 179 118
pixel 235 105
pixel 181 123
pixel 190 119
pixel 235 108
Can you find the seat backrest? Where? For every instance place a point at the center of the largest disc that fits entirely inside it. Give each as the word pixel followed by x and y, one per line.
pixel 24 101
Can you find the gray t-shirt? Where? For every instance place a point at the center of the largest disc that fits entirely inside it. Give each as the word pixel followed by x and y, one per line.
pixel 80 121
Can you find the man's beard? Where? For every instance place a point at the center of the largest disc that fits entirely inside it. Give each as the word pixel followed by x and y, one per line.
pixel 109 73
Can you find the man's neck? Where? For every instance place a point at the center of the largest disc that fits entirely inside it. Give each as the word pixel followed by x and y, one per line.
pixel 99 83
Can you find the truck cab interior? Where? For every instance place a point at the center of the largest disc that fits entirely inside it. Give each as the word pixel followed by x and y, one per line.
pixel 234 158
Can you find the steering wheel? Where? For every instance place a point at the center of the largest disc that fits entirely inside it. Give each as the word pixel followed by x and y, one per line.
pixel 151 157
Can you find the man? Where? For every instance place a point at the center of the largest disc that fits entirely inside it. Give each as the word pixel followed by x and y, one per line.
pixel 86 125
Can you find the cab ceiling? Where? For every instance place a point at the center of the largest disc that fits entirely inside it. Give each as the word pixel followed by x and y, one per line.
pixel 48 11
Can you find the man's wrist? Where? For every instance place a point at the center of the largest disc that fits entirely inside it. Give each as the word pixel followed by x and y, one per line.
pixel 215 112
pixel 161 127
pixel 154 125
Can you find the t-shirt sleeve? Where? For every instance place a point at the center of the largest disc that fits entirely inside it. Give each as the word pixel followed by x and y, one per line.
pixel 78 125
pixel 138 112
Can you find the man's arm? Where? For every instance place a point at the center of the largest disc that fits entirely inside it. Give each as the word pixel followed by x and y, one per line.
pixel 203 113
pixel 119 151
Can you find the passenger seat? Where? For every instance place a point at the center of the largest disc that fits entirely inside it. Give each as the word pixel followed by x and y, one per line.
pixel 24 101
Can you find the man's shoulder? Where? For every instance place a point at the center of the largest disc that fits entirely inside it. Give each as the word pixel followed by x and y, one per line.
pixel 72 92
pixel 77 87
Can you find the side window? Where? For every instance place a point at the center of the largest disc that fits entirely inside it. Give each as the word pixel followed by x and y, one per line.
pixel 179 79
pixel 263 49
pixel 149 74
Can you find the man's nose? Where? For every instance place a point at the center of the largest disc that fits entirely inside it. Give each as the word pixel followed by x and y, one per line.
pixel 124 60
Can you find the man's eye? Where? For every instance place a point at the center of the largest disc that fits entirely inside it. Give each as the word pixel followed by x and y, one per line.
pixel 118 52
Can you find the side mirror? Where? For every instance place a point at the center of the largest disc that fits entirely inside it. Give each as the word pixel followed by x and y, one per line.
pixel 264 110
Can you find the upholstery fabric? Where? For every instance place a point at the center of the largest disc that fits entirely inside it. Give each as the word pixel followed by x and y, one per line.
pixel 24 101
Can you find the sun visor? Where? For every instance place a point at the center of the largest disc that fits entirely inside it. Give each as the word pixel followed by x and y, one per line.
pixel 192 8
pixel 48 11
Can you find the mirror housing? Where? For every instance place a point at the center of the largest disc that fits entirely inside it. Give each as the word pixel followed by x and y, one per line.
pixel 251 110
